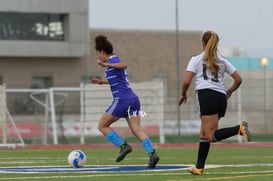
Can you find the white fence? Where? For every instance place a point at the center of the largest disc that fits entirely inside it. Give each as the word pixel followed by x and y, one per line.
pixel 58 115
pixel 89 100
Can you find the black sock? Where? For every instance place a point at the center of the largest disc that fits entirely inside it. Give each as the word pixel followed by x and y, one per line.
pixel 225 133
pixel 203 150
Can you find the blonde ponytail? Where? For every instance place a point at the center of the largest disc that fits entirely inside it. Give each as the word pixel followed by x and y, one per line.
pixel 210 41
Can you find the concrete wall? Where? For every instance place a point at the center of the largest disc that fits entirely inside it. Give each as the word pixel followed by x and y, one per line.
pixel 150 54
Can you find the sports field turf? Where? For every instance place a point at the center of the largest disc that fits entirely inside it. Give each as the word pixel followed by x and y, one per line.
pixel 233 163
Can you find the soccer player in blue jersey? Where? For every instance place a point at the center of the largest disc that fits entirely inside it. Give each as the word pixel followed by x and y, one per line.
pixel 125 103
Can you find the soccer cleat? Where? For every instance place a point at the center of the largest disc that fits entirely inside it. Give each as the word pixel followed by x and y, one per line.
pixel 124 150
pixel 196 171
pixel 243 130
pixel 154 158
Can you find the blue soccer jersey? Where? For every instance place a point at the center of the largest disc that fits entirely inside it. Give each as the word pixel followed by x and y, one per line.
pixel 118 81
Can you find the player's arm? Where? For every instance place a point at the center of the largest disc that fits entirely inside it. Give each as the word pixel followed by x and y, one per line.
pixel 118 65
pixel 95 80
pixel 237 80
pixel 185 86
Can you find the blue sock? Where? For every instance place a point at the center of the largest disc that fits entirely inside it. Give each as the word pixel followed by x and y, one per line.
pixel 114 138
pixel 147 145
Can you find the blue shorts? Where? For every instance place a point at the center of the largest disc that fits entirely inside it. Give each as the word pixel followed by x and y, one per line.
pixel 124 108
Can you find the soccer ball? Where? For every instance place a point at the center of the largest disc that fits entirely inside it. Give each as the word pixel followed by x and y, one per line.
pixel 76 158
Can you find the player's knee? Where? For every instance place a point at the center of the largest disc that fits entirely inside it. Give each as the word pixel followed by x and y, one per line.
pixel 211 139
pixel 208 136
pixel 101 127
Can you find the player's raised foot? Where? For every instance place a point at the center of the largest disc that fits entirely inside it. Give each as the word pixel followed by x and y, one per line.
pixel 154 158
pixel 124 150
pixel 196 171
pixel 245 131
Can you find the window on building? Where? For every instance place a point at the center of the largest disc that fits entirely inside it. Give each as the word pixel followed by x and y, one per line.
pixel 40 82
pixel 31 26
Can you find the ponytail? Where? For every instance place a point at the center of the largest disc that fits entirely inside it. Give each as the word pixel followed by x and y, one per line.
pixel 210 41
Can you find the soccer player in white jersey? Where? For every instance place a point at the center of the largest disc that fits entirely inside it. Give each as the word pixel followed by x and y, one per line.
pixel 209 68
pixel 125 103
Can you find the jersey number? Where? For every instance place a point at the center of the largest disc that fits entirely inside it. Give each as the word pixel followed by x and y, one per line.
pixel 205 76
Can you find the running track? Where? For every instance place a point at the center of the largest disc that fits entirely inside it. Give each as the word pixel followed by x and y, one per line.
pixel 168 145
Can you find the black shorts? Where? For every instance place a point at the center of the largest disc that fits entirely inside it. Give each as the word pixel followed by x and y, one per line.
pixel 211 102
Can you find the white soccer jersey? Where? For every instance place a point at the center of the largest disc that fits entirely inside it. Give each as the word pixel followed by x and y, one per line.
pixel 203 76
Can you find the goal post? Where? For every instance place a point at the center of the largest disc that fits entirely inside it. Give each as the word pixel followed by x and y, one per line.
pixel 5 118
pixel 47 117
pixel 3 108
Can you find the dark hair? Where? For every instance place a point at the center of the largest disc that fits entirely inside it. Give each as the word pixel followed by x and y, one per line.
pixel 210 40
pixel 102 44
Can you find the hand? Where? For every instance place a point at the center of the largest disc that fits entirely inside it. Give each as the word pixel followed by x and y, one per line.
pixel 182 99
pixel 103 64
pixel 228 92
pixel 95 80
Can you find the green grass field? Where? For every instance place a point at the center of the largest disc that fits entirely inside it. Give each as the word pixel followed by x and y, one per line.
pixel 238 164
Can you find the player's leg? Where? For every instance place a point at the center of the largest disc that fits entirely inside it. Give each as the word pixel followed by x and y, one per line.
pixel 134 125
pixel 133 121
pixel 104 127
pixel 207 102
pixel 224 133
pixel 227 132
pixel 209 123
pixel 105 122
pixel 210 133
pixel 112 136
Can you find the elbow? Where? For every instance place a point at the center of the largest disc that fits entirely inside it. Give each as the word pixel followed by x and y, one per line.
pixel 186 82
pixel 125 65
pixel 237 78
pixel 239 81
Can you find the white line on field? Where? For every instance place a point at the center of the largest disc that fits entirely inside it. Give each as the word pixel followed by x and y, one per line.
pixel 126 175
